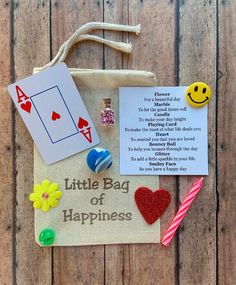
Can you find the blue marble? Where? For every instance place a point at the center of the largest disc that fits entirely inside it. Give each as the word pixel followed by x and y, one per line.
pixel 99 159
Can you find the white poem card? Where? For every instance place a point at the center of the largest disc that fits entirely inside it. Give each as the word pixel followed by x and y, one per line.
pixel 53 111
pixel 160 134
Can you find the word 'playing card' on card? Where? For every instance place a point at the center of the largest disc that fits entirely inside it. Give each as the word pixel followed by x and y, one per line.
pixel 54 113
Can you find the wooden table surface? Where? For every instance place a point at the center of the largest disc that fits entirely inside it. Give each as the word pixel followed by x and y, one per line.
pixel 181 42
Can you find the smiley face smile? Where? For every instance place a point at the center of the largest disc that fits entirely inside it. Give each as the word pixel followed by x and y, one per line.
pixel 189 94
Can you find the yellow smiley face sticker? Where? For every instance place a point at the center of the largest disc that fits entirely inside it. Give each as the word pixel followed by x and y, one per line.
pixel 198 94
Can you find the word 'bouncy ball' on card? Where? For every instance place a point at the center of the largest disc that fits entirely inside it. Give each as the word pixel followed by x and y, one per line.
pixel 53 111
pixel 99 160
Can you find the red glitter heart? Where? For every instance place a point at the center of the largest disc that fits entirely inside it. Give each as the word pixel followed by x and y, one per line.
pixel 152 204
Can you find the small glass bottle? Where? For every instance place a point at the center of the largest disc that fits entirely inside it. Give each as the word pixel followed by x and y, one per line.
pixel 107 114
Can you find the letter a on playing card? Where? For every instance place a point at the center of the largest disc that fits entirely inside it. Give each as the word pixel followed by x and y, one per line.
pixel 54 113
pixel 21 95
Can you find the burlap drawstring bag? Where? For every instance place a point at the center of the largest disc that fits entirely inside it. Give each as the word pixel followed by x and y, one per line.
pixel 78 220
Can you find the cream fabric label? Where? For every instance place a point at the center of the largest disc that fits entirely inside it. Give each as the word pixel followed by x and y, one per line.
pixel 97 208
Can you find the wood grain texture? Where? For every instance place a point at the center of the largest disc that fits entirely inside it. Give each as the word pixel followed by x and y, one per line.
pixel 197 62
pixel 77 265
pixel 226 166
pixel 66 17
pixel 6 151
pixel 114 12
pixel 31 48
pixel 192 256
pixel 153 50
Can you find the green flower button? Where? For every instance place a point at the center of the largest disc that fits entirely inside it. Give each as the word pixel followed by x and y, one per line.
pixel 47 237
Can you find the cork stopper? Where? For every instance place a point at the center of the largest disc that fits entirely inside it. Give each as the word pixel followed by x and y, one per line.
pixel 107 102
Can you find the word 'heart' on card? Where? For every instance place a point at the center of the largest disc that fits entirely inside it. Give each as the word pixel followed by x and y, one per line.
pixel 82 123
pixel 26 106
pixel 152 204
pixel 55 116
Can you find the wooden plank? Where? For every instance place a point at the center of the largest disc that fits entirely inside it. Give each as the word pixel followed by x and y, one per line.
pixel 226 165
pixel 78 265
pixel 197 62
pixel 114 12
pixel 31 48
pixel 66 18
pixel 6 151
pixel 153 50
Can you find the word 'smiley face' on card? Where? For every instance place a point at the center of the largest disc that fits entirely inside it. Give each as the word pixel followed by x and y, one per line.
pixel 54 113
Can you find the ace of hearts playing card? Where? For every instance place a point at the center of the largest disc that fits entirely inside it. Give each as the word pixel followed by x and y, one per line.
pixel 54 113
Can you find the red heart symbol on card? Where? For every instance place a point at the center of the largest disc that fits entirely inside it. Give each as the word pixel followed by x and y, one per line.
pixel 82 123
pixel 26 106
pixel 55 116
pixel 151 204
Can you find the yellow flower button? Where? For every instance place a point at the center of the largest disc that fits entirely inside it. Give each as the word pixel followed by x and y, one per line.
pixel 45 195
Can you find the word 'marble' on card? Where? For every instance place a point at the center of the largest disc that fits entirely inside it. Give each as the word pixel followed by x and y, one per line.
pixel 53 111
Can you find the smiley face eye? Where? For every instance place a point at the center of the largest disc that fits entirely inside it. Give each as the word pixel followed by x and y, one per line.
pixel 196 88
pixel 204 90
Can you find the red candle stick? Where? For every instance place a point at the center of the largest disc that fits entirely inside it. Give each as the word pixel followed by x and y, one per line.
pixel 182 211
